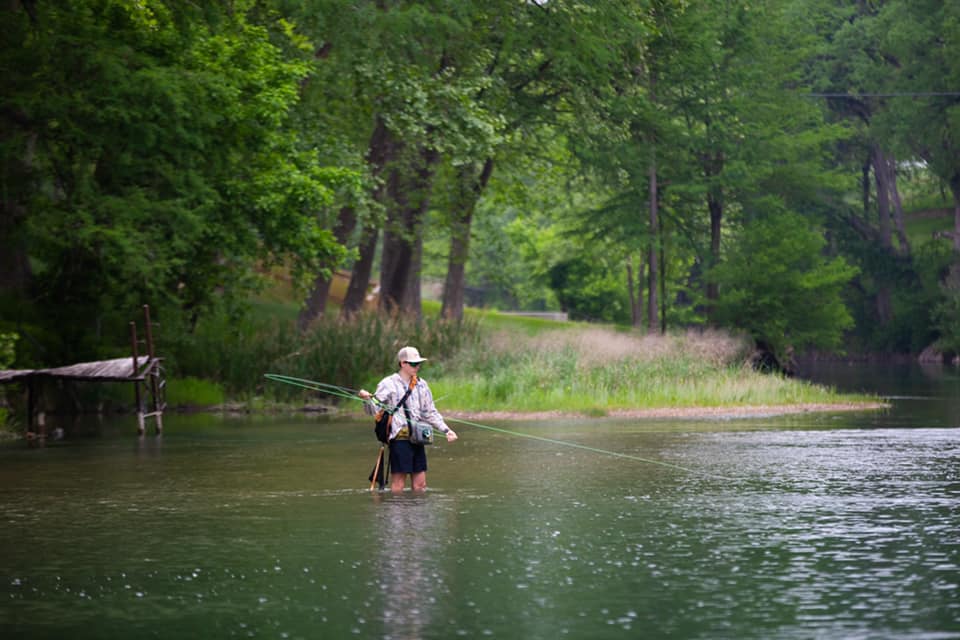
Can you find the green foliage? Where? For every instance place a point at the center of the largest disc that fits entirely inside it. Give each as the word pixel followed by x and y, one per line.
pixel 8 349
pixel 516 233
pixel 914 282
pixel 488 362
pixel 174 153
pixel 190 392
pixel 8 354
pixel 906 62
pixel 595 371
pixel 921 229
pixel 154 159
pixel 497 322
pixel 947 313
pixel 591 293
pixel 235 351
pixel 777 285
pixel 889 84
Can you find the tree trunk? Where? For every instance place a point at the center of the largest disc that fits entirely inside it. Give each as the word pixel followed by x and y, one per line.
pixel 652 258
pixel 412 300
pixel 865 186
pixel 955 189
pixel 454 287
pixel 360 276
pixel 884 294
pixel 396 258
pixel 15 271
pixel 663 283
pixel 956 223
pixel 883 197
pixel 409 191
pixel 898 225
pixel 884 303
pixel 14 265
pixel 636 311
pixel 382 153
pixel 715 207
pixel 316 303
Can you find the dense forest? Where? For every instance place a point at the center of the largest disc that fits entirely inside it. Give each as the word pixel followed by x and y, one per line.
pixel 789 168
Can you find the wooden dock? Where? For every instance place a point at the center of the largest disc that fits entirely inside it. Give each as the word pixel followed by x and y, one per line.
pixel 144 372
pixel 116 370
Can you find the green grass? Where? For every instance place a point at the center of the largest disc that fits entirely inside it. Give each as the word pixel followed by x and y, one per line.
pixel 926 216
pixel 8 426
pixel 596 370
pixel 495 321
pixel 193 392
pixel 489 362
pixel 921 231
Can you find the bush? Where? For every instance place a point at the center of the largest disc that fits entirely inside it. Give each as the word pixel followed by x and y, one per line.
pixel 8 349
pixel 593 371
pixel 8 353
pixel 947 312
pixel 777 284
pixel 238 352
pixel 193 392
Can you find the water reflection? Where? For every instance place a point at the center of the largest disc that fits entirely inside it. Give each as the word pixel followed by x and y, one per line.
pixel 149 446
pixel 414 529
pixel 921 394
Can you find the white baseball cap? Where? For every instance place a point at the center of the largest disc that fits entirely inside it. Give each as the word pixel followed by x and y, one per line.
pixel 409 354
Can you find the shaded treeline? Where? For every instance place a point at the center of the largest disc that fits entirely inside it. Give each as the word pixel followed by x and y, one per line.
pixel 660 163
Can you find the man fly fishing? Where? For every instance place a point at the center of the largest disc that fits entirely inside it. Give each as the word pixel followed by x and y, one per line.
pixel 410 401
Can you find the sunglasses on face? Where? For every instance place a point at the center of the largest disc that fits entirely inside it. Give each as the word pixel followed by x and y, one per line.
pixel 414 364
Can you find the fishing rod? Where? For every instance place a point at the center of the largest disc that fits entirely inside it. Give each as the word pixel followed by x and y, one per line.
pixel 344 392
pixel 329 389
pixel 379 468
pixel 332 389
pixel 584 447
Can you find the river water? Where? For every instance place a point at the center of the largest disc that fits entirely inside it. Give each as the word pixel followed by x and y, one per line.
pixel 809 526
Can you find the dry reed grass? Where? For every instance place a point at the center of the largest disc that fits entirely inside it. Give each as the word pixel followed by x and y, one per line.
pixel 595 347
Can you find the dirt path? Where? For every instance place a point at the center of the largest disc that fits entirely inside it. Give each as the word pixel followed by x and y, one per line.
pixel 686 413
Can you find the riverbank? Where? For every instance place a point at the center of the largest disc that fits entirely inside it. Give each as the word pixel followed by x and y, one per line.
pixel 681 413
pixel 503 370
pixel 588 371
pixel 596 372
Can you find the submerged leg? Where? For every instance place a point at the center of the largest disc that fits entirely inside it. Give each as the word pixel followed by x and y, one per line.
pixel 397 481
pixel 419 481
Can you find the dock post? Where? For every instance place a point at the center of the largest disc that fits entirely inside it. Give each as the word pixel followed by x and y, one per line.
pixel 153 371
pixel 136 383
pixel 31 392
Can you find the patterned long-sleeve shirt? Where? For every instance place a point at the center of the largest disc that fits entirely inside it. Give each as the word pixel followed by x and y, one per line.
pixel 419 402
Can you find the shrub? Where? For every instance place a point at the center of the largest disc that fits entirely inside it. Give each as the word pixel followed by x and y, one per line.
pixel 238 352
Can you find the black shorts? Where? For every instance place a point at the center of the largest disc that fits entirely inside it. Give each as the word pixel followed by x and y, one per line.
pixel 407 458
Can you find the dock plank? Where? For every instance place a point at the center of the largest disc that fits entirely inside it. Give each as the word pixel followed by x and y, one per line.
pixel 117 369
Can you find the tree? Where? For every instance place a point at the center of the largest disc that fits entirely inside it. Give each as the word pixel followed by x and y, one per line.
pixel 779 286
pixel 921 62
pixel 918 59
pixel 886 69
pixel 546 61
pixel 150 157
pixel 412 69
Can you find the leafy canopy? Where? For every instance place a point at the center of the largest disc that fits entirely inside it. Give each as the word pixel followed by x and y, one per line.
pixel 777 284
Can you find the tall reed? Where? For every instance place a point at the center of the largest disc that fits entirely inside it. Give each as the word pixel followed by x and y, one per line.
pixel 351 353
pixel 479 365
pixel 596 370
